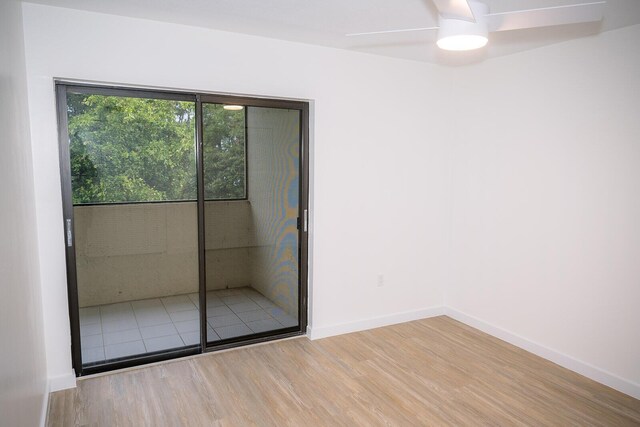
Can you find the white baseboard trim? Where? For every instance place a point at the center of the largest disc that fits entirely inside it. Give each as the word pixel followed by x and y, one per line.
pixel 315 333
pixel 62 382
pixel 575 365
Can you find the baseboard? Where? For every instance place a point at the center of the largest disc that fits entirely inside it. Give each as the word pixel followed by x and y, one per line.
pixel 315 333
pixel 58 383
pixel 575 365
pixel 62 382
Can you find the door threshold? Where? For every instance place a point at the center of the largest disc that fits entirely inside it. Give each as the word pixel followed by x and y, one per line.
pixel 205 353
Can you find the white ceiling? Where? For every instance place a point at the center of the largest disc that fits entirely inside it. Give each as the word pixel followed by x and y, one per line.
pixel 325 22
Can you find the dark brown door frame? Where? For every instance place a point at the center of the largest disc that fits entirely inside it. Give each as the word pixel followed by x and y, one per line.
pixel 62 88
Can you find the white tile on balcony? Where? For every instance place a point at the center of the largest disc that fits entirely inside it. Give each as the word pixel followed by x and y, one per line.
pixel 275 311
pixel 136 327
pixel 190 338
pixel 163 343
pixel 180 316
pixel 95 354
pixel 158 331
pixel 91 341
pixel 263 302
pixel 232 331
pixel 187 326
pixel 90 329
pixel 89 315
pixel 229 319
pixel 195 299
pixel 244 306
pixel 252 316
pixel 122 336
pixel 118 316
pixel 152 317
pixel 124 349
pixel 287 320
pixel 121 324
pixel 214 302
pixel 212 336
pixel 218 311
pixel 150 309
pixel 178 303
pixel 264 325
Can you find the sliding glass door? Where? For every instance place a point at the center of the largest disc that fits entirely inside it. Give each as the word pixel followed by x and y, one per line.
pixel 184 222
pixel 251 165
pixel 131 227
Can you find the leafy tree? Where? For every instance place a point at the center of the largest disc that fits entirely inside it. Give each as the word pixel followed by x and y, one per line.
pixel 138 149
pixel 224 152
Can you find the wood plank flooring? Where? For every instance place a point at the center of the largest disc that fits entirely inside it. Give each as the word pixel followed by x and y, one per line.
pixel 429 372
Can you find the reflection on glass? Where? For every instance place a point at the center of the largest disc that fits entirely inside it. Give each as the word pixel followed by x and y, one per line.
pixel 252 245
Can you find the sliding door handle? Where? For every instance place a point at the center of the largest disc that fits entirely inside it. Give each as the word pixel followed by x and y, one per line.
pixel 69 233
pixel 305 221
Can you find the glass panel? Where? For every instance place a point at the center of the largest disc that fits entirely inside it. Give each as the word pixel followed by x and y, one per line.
pixel 252 245
pixel 137 263
pixel 131 149
pixel 224 152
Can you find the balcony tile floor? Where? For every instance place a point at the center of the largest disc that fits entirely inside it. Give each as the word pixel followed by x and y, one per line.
pixel 137 327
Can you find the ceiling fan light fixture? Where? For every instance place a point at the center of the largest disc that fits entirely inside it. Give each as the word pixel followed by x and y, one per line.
pixel 461 35
pixel 465 24
pixel 462 42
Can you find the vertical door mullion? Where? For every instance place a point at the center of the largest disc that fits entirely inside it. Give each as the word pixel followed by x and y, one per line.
pixel 68 227
pixel 304 209
pixel 202 270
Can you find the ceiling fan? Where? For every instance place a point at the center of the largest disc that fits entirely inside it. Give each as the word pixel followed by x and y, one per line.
pixel 465 24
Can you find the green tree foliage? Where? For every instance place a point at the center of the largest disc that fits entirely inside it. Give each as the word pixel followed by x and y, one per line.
pixel 137 149
pixel 224 152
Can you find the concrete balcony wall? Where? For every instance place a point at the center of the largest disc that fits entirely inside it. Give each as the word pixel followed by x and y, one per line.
pixel 137 251
pixel 229 241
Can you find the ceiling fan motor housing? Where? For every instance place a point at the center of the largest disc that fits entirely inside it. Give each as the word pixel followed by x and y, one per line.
pixel 459 34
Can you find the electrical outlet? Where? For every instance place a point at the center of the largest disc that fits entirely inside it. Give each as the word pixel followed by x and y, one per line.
pixel 380 280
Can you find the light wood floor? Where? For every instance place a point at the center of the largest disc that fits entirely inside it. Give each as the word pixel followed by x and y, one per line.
pixel 429 372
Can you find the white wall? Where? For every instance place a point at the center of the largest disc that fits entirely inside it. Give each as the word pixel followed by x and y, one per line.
pixel 546 202
pixel 23 376
pixel 379 151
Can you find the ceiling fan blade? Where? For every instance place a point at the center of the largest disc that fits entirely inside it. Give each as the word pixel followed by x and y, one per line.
pixel 455 9
pixel 545 17
pixel 406 30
